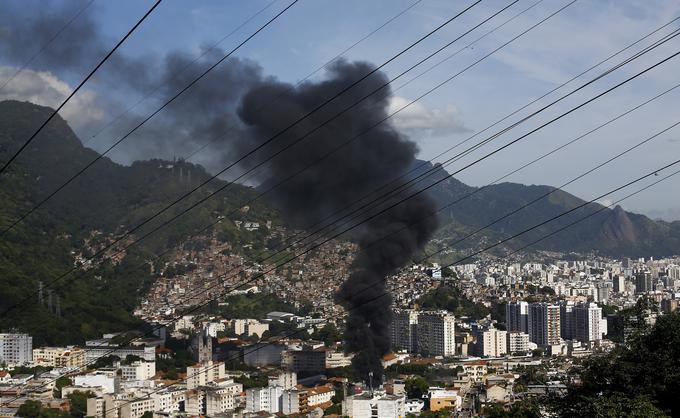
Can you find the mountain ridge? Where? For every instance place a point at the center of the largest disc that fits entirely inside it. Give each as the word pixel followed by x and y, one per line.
pixel 110 199
pixel 613 232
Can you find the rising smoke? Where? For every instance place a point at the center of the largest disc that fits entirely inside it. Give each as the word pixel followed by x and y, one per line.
pixel 366 163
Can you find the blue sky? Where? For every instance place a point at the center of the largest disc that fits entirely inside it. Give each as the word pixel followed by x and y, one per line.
pixel 313 31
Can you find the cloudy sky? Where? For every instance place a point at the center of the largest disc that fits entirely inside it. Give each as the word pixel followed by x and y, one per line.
pixel 314 31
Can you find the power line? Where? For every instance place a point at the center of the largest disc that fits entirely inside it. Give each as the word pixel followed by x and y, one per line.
pixel 554 150
pixel 592 214
pixel 435 168
pixel 609 206
pixel 250 152
pixel 187 87
pixel 319 68
pixel 562 186
pixel 646 102
pixel 584 204
pixel 181 71
pixel 56 111
pixel 46 45
pixel 100 156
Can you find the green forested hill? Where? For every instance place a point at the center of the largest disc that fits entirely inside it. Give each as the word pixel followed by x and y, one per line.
pixel 112 198
pixel 108 197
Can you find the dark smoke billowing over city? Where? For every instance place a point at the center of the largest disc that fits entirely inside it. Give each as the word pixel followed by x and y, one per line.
pixel 367 162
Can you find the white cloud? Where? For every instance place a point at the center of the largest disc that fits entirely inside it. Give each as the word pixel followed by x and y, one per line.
pixel 419 119
pixel 44 88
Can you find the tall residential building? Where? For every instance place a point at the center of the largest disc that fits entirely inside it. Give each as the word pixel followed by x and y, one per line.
pixel 204 373
pixel 644 282
pixel 674 272
pixel 567 319
pixel 268 399
pixel 404 330
pixel 587 322
pixel 603 290
pixel 619 283
pixel 287 380
pixel 518 342
pixel 544 323
pixel 517 316
pixel 436 333
pixel 491 342
pixel 16 348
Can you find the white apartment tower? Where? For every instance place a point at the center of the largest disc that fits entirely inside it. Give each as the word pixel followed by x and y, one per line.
pixel 491 343
pixel 518 342
pixel 16 348
pixel 436 331
pixel 544 324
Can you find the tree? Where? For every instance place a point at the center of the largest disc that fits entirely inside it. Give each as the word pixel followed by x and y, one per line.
pixel 649 368
pixel 34 409
pixel 611 406
pixel 78 401
pixel 147 414
pixel 416 387
pixel 329 334
pixel 518 410
pixel 30 409
pixel 59 385
pixel 448 272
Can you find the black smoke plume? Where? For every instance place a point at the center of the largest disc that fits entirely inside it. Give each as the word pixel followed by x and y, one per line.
pixel 366 163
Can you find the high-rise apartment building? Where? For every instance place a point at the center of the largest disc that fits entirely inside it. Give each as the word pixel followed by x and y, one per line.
pixel 544 324
pixel 436 333
pixel 587 319
pixel 404 330
pixel 644 282
pixel 491 342
pixel 619 283
pixel 517 316
pixel 567 319
pixel 518 342
pixel 16 348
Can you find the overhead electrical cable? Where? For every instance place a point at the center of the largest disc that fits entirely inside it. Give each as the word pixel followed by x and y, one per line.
pixel 46 44
pixel 78 87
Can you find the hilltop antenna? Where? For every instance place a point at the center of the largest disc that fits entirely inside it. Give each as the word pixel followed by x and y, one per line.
pixel 49 300
pixel 41 297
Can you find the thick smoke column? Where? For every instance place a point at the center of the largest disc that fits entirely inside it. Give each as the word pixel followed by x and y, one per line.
pixel 367 163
